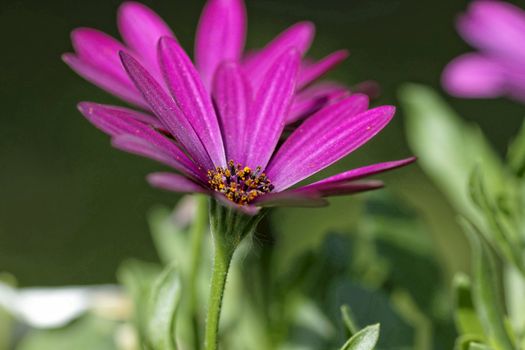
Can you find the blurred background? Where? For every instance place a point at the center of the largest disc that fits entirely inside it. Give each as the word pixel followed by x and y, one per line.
pixel 72 208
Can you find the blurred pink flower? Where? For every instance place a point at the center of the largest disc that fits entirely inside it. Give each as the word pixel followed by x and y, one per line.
pixel 497 30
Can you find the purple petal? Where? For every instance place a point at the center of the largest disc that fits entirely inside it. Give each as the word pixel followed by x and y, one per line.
pixel 141 28
pixel 192 98
pixel 104 80
pixel 299 36
pixel 117 121
pixel 496 27
pixel 270 109
pixel 175 183
pixel 313 98
pixel 100 50
pixel 221 34
pixel 312 72
pixel 232 96
pixel 359 173
pixel 292 199
pixel 341 189
pixel 332 115
pixel 474 75
pixel 316 145
pixel 167 111
pixel 99 114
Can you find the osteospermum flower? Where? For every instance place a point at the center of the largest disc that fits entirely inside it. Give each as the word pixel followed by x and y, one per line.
pixel 219 129
pixel 220 123
pixel 497 30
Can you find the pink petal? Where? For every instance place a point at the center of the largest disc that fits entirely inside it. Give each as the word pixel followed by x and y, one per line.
pixel 105 81
pixel 495 26
pixel 312 72
pixel 192 97
pixel 299 36
pixel 167 111
pixel 341 189
pixel 313 98
pixel 474 75
pixel 270 109
pixel 175 183
pixel 141 28
pixel 359 173
pixel 232 96
pixel 310 149
pixel 117 121
pixel 221 34
pixel 291 199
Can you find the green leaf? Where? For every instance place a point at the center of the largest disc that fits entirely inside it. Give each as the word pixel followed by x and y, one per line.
pixel 478 346
pixel 348 320
pixel 516 153
pixel 138 277
pixel 465 341
pixel 87 333
pixel 163 304
pixel 500 225
pixel 448 148
pixel 365 339
pixel 467 320
pixel 486 291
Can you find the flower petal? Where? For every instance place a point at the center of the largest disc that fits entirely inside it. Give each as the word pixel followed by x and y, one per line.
pixel 104 80
pixel 313 98
pixel 175 183
pixel 98 114
pixel 497 27
pixel 312 72
pixel 167 111
pixel 192 98
pixel 310 149
pixel 325 120
pixel 270 109
pixel 117 121
pixel 100 50
pixel 299 36
pixel 221 34
pixel 141 28
pixel 341 189
pixel 360 173
pixel 474 75
pixel 291 199
pixel 232 96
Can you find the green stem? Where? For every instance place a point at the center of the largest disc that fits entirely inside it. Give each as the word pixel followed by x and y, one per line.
pixel 221 265
pixel 228 228
pixel 198 230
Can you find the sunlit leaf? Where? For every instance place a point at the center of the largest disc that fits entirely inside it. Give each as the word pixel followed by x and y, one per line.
pixel 163 303
pixel 486 291
pixel 348 319
pixel 516 153
pixel 467 320
pixel 365 339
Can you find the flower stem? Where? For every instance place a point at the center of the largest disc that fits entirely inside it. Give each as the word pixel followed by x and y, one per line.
pixel 228 228
pixel 197 235
pixel 221 265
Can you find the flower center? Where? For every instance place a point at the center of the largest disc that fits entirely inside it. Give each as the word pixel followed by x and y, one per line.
pixel 239 184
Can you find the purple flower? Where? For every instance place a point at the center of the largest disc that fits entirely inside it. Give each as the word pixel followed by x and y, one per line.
pixel 497 30
pixel 220 123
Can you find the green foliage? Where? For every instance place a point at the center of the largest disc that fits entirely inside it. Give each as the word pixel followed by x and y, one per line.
pixel 87 333
pixel 365 339
pixel 163 305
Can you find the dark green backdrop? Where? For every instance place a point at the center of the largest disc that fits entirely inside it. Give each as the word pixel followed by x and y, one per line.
pixel 71 207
